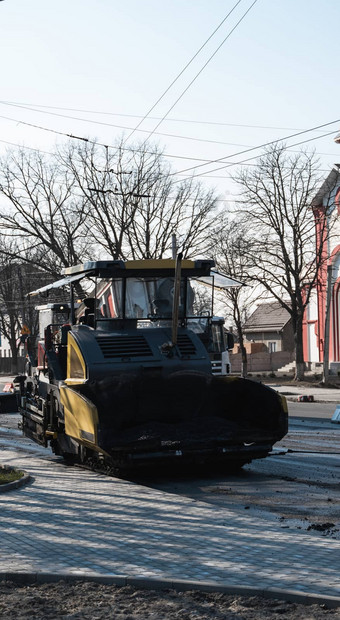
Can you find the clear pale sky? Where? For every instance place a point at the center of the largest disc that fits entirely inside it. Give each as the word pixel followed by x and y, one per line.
pixel 277 72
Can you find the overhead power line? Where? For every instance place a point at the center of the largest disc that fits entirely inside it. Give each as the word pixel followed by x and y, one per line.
pixel 168 135
pixel 206 162
pixel 173 82
pixel 31 148
pixel 59 133
pixel 261 146
pixel 238 163
pixel 168 155
pixel 177 136
pixel 34 107
pixel 202 68
pixel 206 175
pixel 183 70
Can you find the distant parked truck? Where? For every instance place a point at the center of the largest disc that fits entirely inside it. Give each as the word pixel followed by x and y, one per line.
pixel 217 342
pixel 222 343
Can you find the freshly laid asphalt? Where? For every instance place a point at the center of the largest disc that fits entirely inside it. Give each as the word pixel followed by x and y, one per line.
pixel 71 523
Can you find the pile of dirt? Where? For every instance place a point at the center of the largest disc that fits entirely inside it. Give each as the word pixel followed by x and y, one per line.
pixel 326 528
pixel 94 601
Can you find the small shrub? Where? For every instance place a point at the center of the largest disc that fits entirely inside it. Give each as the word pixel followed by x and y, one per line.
pixel 9 475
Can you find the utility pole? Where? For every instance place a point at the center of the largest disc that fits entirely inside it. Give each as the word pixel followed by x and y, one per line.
pixel 22 297
pixel 325 374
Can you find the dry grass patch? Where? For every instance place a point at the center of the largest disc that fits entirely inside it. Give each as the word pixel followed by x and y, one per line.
pixel 10 475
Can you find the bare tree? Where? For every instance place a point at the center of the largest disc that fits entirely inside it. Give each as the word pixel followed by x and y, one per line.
pixel 18 317
pixel 275 201
pixel 38 212
pixel 107 193
pixel 88 201
pixel 134 204
pixel 9 311
pixel 230 250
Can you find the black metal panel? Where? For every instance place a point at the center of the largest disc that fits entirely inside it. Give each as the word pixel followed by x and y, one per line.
pixel 124 346
pixel 8 402
pixel 185 345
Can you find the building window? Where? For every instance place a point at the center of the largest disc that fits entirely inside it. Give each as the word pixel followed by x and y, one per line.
pixel 272 347
pixel 337 200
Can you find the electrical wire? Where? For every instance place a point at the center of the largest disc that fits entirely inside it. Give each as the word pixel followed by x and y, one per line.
pixel 38 150
pixel 207 175
pixel 60 133
pixel 261 146
pixel 84 120
pixel 180 172
pixel 168 135
pixel 34 107
pixel 204 140
pixel 31 148
pixel 202 69
pixel 238 163
pixel 147 115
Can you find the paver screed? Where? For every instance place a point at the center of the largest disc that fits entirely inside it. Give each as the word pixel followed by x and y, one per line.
pixel 75 521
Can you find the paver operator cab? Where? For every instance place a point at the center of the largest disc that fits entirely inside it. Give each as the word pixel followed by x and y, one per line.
pixel 127 376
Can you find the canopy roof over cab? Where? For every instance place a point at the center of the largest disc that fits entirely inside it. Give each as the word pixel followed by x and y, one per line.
pixel 111 269
pixel 140 268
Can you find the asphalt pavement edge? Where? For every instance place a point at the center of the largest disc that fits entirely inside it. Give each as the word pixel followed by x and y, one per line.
pixel 144 583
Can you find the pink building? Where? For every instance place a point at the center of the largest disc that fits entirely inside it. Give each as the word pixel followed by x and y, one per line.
pixel 326 209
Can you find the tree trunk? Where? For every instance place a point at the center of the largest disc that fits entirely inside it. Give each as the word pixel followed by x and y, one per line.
pixel 238 323
pixel 14 364
pixel 244 360
pixel 300 364
pixel 244 369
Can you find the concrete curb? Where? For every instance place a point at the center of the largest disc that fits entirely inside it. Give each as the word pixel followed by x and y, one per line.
pixel 16 484
pixel 316 401
pixel 145 583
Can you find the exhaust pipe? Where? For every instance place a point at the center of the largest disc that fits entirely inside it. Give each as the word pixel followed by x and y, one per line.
pixel 175 303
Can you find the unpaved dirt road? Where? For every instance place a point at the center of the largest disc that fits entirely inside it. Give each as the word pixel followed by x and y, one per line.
pixel 91 601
